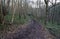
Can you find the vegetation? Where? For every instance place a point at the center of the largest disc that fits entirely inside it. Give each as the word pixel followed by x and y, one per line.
pixel 16 13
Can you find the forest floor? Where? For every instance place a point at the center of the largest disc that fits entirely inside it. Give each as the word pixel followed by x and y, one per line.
pixel 14 28
pixel 8 29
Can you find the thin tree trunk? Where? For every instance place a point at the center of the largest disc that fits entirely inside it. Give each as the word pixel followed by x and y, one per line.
pixel 46 16
pixel 14 9
pixel 2 11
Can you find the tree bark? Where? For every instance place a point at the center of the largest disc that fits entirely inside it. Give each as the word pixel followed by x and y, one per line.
pixel 14 9
pixel 46 16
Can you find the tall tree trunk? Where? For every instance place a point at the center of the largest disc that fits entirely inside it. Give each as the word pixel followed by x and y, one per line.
pixel 2 11
pixel 14 9
pixel 46 16
pixel 13 12
pixel 53 14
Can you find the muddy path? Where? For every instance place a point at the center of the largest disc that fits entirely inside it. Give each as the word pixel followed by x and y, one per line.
pixel 31 30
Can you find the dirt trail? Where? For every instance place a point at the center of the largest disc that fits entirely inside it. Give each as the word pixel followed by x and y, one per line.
pixel 31 30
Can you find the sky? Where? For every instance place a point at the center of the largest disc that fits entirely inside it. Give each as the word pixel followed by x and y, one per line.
pixel 36 0
pixel 43 0
pixel 34 5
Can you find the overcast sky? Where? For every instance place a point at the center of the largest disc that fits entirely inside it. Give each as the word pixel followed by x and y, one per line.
pixel 34 5
pixel 43 0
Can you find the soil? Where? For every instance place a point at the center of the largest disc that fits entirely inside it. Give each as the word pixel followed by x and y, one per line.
pixel 30 30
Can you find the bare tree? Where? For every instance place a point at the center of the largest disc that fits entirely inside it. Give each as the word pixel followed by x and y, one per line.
pixel 25 8
pixel 14 5
pixel 46 2
pixel 52 14
pixel 3 11
pixel 20 8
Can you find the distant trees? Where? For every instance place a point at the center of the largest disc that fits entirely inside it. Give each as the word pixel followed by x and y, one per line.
pixel 54 11
pixel 50 16
pixel 24 7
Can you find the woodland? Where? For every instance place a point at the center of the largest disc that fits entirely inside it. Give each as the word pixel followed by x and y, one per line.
pixel 29 19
